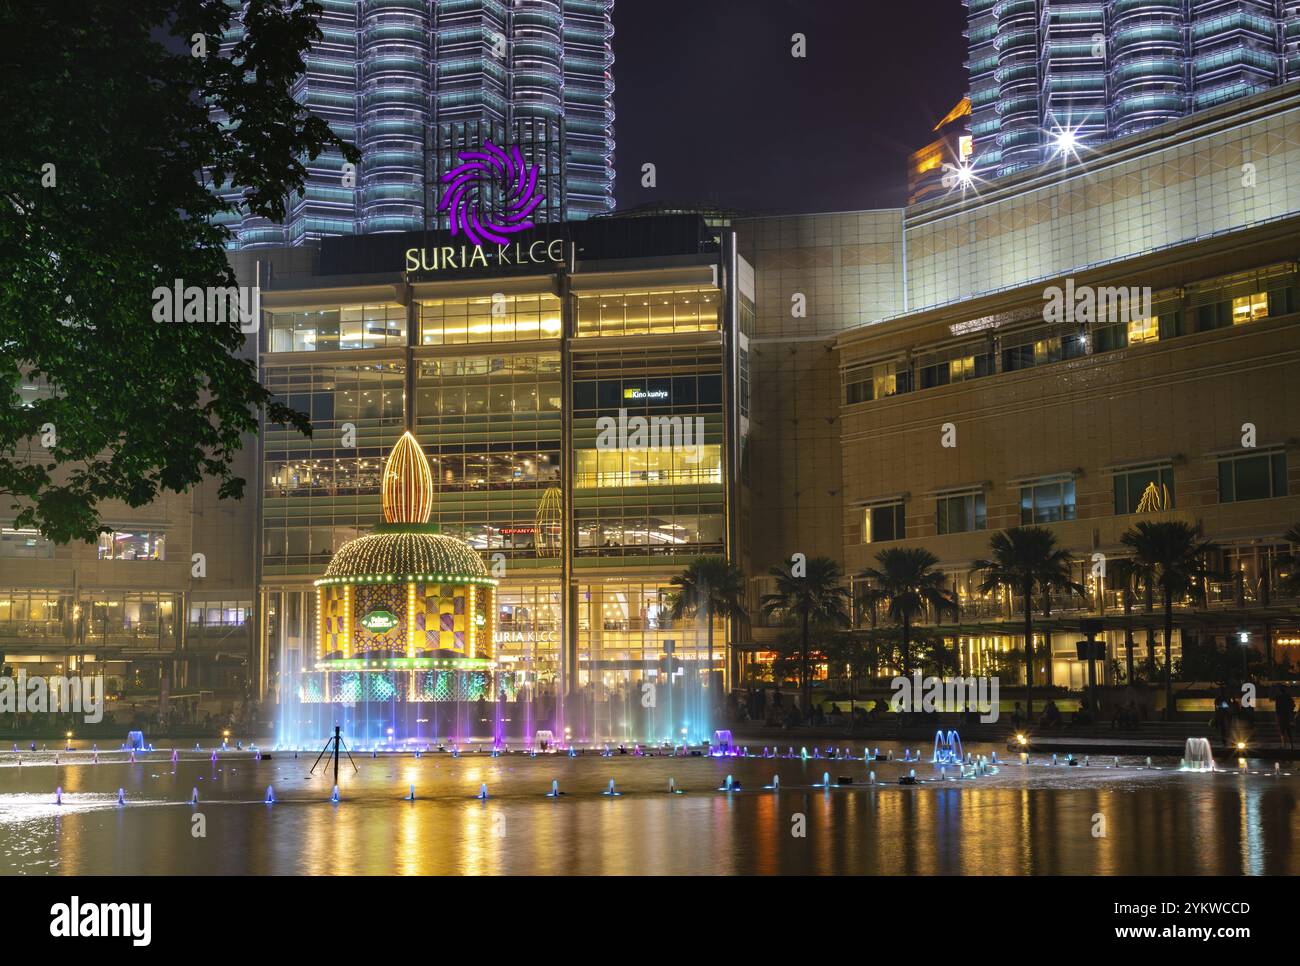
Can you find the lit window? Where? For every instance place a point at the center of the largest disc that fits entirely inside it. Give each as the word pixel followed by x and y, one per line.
pixel 1148 489
pixel 664 466
pixel 1248 308
pixel 132 545
pixel 1144 330
pixel 962 368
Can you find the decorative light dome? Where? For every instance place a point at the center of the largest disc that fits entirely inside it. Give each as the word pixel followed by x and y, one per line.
pixel 406 554
pixel 406 547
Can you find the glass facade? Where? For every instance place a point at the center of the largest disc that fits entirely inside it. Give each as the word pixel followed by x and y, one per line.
pixel 1105 69
pixel 491 427
pixel 653 312
pixel 90 618
pixel 656 499
pixel 332 330
pixel 133 545
pixel 496 318
pixel 318 492
pixel 523 429
pixel 411 82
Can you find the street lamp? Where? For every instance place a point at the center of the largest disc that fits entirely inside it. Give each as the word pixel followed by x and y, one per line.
pixel 1244 638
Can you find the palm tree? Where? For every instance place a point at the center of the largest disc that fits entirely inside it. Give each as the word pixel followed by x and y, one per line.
pixel 709 587
pixel 907 579
pixel 815 596
pixel 1170 555
pixel 1123 576
pixel 867 597
pixel 1025 558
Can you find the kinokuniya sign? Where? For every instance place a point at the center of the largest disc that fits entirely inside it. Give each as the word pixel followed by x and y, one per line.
pixel 442 258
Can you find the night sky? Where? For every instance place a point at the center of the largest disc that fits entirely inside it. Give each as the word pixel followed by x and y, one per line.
pixel 709 92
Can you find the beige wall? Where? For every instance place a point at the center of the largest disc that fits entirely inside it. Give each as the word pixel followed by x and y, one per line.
pixel 1181 399
pixel 848 266
pixel 794 461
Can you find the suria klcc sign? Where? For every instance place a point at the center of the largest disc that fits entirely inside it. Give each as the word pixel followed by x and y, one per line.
pixel 450 257
pixel 492 173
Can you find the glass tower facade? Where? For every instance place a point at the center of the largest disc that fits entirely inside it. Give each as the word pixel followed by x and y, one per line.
pixel 412 82
pixel 1105 69
pixel 510 378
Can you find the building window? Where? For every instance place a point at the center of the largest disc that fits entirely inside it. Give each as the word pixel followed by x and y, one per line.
pixel 662 466
pixel 347 327
pixel 962 512
pixel 649 313
pixel 133 545
pixel 882 522
pixel 865 383
pixel 1038 347
pixel 24 543
pixel 1141 331
pixel 956 364
pixel 1144 489
pixel 221 613
pixel 510 386
pixel 1047 501
pixel 1258 476
pixel 1248 308
pixel 501 318
pixel 622 531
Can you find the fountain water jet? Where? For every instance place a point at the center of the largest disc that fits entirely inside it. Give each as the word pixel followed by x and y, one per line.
pixel 1197 755
pixel 947 748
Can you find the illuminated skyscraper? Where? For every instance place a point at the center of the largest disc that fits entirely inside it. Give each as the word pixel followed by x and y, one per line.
pixel 1045 74
pixel 413 82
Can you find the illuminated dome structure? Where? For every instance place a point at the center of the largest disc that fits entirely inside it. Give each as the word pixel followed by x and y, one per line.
pixel 405 615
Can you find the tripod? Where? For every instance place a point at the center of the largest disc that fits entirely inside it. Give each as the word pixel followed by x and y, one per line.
pixel 336 742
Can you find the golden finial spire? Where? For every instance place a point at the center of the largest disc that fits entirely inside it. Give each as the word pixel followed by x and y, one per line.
pixel 408 483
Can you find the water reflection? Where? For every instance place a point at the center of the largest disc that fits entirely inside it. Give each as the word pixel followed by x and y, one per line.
pixel 1035 821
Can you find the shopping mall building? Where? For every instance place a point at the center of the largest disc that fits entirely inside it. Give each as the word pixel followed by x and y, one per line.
pixel 826 359
pixel 523 371
pixel 940 389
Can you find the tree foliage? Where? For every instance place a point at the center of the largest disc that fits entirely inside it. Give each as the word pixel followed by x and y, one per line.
pixel 106 179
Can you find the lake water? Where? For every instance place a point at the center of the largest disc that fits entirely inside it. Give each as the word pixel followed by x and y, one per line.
pixel 1026 820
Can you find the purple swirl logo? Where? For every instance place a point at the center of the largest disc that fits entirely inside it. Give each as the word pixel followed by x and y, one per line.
pixel 514 180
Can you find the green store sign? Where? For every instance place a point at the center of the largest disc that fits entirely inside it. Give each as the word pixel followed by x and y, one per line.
pixel 379 621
